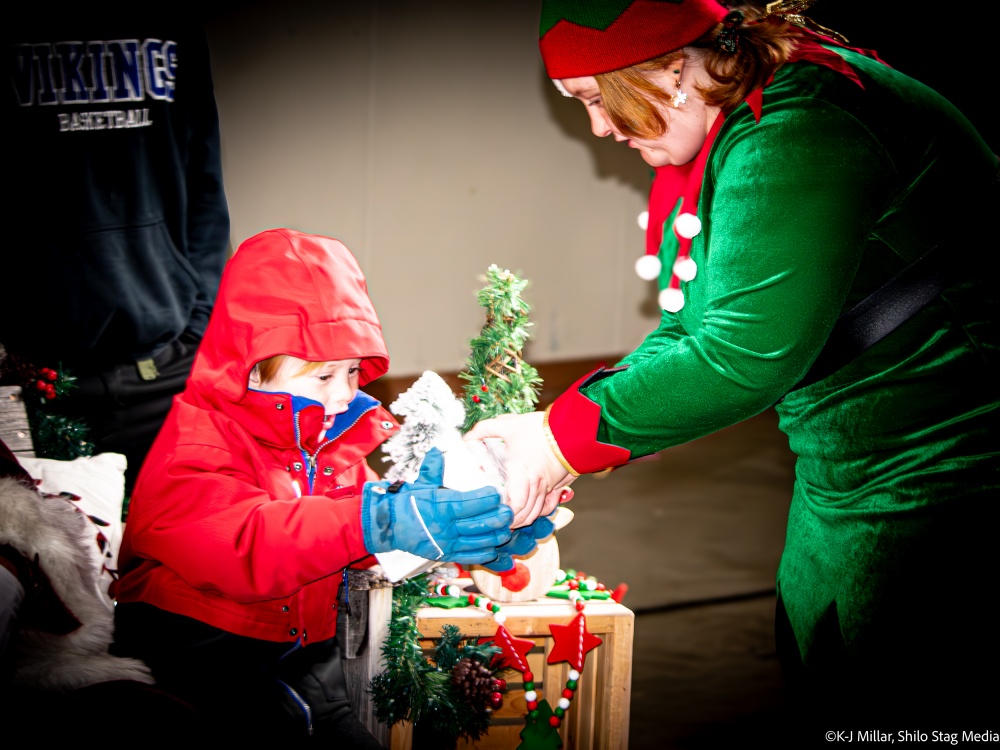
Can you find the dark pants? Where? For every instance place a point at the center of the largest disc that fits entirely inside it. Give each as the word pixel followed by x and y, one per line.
pixel 122 707
pixel 913 687
pixel 123 411
pixel 245 688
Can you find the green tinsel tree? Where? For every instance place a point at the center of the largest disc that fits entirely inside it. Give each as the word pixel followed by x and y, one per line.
pixel 499 381
pixel 428 691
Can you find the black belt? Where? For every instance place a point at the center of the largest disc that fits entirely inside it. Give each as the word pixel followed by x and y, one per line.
pixel 878 315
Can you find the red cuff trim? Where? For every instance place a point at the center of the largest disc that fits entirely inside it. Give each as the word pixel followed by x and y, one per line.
pixel 573 420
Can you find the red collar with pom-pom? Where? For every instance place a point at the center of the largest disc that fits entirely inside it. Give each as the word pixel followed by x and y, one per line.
pixel 676 189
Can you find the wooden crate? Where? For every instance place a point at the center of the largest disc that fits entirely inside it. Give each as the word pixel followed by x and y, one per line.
pixel 14 428
pixel 598 717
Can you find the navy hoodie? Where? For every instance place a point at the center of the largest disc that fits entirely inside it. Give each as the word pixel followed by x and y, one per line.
pixel 118 224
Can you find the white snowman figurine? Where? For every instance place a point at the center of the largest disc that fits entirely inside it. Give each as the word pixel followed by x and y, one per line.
pixel 431 417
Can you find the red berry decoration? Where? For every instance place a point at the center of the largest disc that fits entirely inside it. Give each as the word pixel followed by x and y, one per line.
pixel 483 388
pixel 475 399
pixel 49 395
pixel 50 374
pixel 496 699
pixel 500 683
pixel 42 385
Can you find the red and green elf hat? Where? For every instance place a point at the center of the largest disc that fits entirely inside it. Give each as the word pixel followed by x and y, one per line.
pixel 587 37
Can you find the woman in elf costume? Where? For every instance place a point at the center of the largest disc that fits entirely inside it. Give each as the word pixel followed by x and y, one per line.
pixel 823 225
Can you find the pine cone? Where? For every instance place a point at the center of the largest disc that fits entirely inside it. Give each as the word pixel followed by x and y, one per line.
pixel 473 682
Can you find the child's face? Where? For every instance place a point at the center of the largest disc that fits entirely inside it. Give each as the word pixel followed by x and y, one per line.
pixel 334 384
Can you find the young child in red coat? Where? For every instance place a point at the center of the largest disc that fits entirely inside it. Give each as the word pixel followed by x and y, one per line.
pixel 256 496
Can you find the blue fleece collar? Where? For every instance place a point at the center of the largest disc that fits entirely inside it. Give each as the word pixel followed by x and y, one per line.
pixel 361 404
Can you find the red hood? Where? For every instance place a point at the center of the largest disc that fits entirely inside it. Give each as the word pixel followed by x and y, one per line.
pixel 285 292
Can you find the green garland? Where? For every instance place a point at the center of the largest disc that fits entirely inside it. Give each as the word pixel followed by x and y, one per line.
pixel 419 690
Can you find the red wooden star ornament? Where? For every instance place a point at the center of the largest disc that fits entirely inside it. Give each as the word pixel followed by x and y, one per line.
pixel 572 642
pixel 515 650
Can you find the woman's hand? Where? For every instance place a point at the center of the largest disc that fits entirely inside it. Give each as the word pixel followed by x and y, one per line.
pixel 535 477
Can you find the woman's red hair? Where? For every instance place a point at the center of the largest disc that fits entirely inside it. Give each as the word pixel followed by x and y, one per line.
pixel 764 46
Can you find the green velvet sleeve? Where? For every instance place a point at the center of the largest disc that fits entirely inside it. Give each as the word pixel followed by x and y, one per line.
pixel 786 207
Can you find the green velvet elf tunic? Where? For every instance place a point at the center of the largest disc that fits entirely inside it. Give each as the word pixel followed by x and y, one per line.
pixel 890 552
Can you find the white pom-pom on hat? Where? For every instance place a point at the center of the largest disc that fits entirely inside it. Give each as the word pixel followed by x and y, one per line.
pixel 685 269
pixel 671 299
pixel 648 267
pixel 687 226
pixel 643 220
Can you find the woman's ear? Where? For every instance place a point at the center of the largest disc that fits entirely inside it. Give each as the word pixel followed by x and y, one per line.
pixel 254 376
pixel 676 68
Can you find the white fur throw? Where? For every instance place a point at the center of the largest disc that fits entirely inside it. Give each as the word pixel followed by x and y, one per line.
pixel 63 538
pixel 97 484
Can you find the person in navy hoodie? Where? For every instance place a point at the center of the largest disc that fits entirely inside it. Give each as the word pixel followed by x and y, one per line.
pixel 118 225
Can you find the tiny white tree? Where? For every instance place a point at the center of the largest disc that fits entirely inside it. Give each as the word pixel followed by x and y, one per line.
pixel 430 415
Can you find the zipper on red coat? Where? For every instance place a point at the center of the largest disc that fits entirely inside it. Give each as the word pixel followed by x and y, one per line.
pixel 312 460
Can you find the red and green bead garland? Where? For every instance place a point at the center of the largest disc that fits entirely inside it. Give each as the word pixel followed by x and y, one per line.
pixel 572 643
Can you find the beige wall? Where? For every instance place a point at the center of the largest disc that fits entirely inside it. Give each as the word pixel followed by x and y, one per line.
pixel 426 136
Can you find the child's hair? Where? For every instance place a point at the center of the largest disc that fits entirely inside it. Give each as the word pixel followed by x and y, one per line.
pixel 266 369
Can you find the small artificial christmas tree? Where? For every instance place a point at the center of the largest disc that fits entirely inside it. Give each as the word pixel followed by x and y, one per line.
pixel 499 381
pixel 430 416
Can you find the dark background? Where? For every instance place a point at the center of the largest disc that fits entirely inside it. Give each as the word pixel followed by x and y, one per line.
pixel 946 50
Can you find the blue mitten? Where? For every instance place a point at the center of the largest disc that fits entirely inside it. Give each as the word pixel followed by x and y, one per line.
pixel 434 522
pixel 522 541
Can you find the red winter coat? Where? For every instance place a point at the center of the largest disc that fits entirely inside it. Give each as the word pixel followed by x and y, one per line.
pixel 215 530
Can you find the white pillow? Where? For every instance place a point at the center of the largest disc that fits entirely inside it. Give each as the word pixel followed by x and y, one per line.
pixel 97 484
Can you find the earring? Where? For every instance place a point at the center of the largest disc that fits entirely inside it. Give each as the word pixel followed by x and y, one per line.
pixel 680 97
